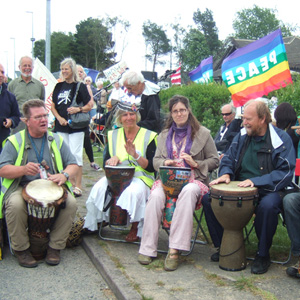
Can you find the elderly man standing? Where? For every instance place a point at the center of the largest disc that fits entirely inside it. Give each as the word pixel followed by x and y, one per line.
pixel 20 162
pixel 9 113
pixel 150 102
pixel 263 156
pixel 228 130
pixel 26 87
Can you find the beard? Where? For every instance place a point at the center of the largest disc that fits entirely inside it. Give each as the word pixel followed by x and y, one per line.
pixel 26 75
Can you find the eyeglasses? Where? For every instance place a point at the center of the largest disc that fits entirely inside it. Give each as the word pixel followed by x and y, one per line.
pixel 181 111
pixel 39 118
pixel 226 114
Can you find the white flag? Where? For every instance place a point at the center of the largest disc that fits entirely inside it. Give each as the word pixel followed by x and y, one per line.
pixel 41 73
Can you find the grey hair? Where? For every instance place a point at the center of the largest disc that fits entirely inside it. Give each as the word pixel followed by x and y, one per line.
pixel 26 56
pixel 99 82
pixel 72 64
pixel 133 78
pixel 119 114
pixel 233 108
pixel 88 78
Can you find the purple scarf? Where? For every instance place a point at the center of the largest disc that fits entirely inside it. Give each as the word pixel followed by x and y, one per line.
pixel 180 134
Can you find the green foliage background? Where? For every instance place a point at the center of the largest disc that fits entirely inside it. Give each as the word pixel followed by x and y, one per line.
pixel 205 99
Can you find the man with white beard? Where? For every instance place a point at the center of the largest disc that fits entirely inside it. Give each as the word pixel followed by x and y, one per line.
pixel 26 87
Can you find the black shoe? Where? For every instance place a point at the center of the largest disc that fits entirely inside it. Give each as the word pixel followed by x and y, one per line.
pixel 260 265
pixel 293 271
pixel 215 257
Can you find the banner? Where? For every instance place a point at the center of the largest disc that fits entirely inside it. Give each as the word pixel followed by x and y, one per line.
pixel 115 72
pixel 257 69
pixel 41 73
pixel 92 73
pixel 176 77
pixel 204 72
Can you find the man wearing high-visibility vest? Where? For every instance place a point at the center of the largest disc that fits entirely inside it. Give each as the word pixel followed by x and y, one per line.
pixel 31 154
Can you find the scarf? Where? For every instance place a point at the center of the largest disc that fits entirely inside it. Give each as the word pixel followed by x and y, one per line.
pixel 179 135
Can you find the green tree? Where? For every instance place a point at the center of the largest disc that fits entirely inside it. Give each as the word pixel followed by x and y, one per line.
pixel 206 24
pixel 254 23
pixel 156 38
pixel 195 49
pixel 61 47
pixel 94 44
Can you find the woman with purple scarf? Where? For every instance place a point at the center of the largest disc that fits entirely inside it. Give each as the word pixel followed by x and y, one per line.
pixel 183 143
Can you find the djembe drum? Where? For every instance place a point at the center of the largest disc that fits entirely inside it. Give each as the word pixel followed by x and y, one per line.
pixel 173 180
pixel 119 178
pixel 233 207
pixel 44 199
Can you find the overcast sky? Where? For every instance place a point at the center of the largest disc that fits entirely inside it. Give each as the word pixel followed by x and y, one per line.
pixel 66 14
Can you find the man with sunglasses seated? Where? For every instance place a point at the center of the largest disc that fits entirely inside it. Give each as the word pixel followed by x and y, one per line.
pixel 228 130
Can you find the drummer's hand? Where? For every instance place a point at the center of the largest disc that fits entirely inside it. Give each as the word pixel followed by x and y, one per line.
pixel 32 169
pixel 170 162
pixel 246 183
pixel 298 131
pixel 189 160
pixel 224 178
pixel 113 161
pixel 130 147
pixel 58 178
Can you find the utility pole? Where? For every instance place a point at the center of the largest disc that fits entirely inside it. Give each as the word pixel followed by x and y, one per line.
pixel 48 36
pixel 32 38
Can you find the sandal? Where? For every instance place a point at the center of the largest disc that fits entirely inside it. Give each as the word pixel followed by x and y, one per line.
pixel 77 192
pixel 171 264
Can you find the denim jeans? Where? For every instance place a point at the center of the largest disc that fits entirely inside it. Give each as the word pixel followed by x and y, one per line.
pixel 291 205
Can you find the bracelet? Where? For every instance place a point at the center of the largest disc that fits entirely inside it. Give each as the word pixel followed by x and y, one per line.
pixel 80 108
pixel 137 157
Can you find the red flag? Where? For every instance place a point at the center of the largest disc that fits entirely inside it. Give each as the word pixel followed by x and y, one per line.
pixel 176 77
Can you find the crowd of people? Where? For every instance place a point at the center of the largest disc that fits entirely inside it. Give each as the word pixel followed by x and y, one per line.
pixel 248 149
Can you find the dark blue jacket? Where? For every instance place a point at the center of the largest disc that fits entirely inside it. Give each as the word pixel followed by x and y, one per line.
pixel 8 109
pixel 276 160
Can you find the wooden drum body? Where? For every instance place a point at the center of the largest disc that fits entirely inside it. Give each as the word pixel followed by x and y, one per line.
pixel 43 198
pixel 119 178
pixel 233 207
pixel 173 180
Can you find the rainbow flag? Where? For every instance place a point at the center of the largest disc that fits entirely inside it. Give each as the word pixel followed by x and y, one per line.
pixel 204 72
pixel 257 69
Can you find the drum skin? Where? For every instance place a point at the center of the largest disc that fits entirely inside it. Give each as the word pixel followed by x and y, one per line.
pixel 173 180
pixel 233 207
pixel 118 178
pixel 43 200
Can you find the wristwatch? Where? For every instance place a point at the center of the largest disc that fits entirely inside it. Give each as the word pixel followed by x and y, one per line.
pixel 66 174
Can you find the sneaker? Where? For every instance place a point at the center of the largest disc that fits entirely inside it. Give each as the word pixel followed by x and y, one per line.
pixel 25 259
pixel 96 167
pixel 260 264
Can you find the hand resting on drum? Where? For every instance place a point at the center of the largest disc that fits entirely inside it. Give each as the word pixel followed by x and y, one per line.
pixel 246 183
pixel 113 161
pixel 60 179
pixel 224 178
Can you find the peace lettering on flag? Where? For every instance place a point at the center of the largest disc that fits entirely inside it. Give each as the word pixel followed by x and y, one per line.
pixel 257 69
pixel 204 72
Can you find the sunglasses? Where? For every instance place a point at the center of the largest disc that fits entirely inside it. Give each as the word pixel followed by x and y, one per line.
pixel 226 114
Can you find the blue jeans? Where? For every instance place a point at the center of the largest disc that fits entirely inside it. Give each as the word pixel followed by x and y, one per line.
pixel 291 205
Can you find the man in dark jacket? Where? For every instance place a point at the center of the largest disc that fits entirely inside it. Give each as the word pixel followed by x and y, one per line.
pixel 150 102
pixel 262 156
pixel 228 130
pixel 9 113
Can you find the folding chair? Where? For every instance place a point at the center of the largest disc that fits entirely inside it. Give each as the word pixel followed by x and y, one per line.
pixel 194 237
pixel 248 232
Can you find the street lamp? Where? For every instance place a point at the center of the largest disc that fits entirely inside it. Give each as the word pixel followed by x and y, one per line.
pixel 32 39
pixel 12 38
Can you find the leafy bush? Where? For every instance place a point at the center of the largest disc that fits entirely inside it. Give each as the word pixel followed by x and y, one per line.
pixel 206 101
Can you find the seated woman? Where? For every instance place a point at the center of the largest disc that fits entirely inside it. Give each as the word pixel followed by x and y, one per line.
pixel 183 143
pixel 129 145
